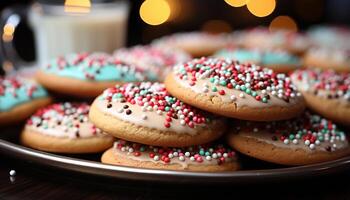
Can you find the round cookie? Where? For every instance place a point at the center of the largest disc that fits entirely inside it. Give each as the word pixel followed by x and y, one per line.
pixel 146 113
pixel 327 93
pixel 204 158
pixel 262 38
pixel 197 44
pixel 20 98
pixel 231 89
pixel 278 60
pixel 64 128
pixel 326 58
pixel 158 61
pixel 305 140
pixel 87 75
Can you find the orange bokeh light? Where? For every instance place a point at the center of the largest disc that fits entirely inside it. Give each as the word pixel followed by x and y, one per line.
pixel 284 23
pixel 261 8
pixel 236 3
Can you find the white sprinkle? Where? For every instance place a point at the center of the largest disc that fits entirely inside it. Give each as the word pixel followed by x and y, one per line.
pixel 286 141
pixel 182 122
pixel 182 158
pixel 241 95
pixel 225 155
pixel 233 97
pixel 159 112
pixel 12 173
pixel 312 146
pixel 187 154
pixel 144 117
pixel 208 158
pixel 123 149
pixel 307 142
pixel 214 155
pixel 255 130
pixel 295 141
pixel 171 155
pixel 120 110
pixel 176 154
pixel 131 150
pixel 205 90
pixel 335 146
pixel 192 158
pixel 317 142
pixel 156 158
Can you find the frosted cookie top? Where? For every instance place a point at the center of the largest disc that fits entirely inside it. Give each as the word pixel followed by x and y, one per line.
pixel 330 36
pixel 333 55
pixel 259 56
pixel 206 154
pixel 95 67
pixel 263 37
pixel 194 38
pixel 154 59
pixel 150 105
pixel 242 84
pixel 64 120
pixel 16 90
pixel 327 84
pixel 309 132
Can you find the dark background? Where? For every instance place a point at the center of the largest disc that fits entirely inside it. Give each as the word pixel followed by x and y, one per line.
pixel 194 13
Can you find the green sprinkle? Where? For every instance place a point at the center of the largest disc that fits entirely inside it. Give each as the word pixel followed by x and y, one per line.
pixel 142 149
pixel 223 83
pixel 243 88
pixel 320 138
pixel 264 99
pixel 212 80
pixel 254 94
pixel 291 136
pixel 214 89
pixel 248 91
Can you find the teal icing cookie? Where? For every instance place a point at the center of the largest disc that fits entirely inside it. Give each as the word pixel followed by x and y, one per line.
pixel 97 67
pixel 15 91
pixel 265 57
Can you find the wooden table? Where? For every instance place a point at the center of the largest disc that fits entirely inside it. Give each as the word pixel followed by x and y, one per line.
pixel 37 182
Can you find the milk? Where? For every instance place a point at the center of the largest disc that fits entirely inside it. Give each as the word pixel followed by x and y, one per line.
pixel 59 33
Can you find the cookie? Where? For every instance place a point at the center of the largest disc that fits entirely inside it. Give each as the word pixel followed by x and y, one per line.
pixel 278 60
pixel 304 140
pixel 329 36
pixel 327 93
pixel 64 128
pixel 262 38
pixel 20 98
pixel 204 158
pixel 158 61
pixel 146 113
pixel 336 59
pixel 244 91
pixel 197 44
pixel 87 75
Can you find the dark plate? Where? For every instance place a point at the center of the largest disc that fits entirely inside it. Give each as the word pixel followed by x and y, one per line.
pixel 256 171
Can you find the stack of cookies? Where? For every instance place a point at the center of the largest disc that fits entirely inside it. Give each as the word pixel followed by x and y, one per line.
pixel 157 130
pixel 206 109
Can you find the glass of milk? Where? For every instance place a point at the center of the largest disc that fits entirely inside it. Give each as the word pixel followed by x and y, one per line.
pixel 77 26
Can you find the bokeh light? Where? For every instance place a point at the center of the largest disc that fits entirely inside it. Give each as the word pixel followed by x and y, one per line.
pixel 77 6
pixel 261 8
pixel 236 3
pixel 155 12
pixel 283 22
pixel 8 32
pixel 216 26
